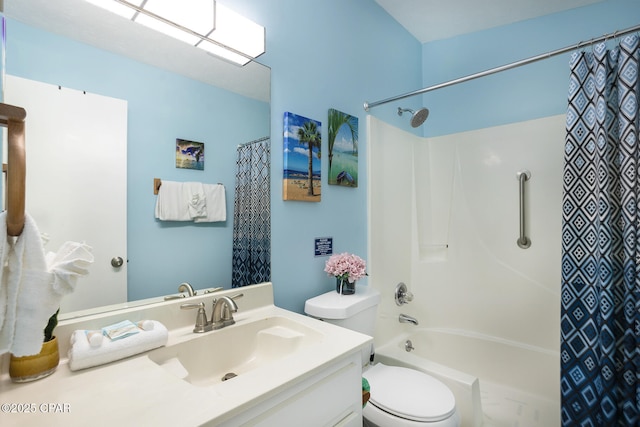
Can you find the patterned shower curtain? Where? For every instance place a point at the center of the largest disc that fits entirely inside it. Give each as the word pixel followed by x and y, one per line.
pixel 600 323
pixel 252 215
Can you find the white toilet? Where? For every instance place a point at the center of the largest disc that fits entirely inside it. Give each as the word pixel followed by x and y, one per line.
pixel 400 397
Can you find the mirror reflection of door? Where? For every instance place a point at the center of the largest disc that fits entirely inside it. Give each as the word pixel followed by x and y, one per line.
pixel 77 144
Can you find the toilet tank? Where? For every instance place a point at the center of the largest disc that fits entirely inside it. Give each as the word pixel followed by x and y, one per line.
pixel 356 312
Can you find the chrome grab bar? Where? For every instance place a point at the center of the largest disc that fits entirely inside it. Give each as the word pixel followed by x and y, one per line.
pixel 523 241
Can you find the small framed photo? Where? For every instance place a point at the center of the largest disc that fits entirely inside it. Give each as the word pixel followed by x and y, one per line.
pixel 189 154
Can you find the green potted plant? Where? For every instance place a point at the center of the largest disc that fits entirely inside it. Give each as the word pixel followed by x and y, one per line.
pixel 51 325
pixel 30 368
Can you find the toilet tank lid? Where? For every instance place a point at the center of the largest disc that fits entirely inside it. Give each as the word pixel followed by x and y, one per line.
pixel 333 305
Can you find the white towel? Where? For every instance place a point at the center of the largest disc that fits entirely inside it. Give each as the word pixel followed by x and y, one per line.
pixel 31 289
pixel 82 355
pixel 195 197
pixel 180 201
pixel 216 205
pixel 8 294
pixel 70 262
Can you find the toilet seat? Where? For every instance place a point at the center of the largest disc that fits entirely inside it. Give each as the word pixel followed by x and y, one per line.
pixel 409 394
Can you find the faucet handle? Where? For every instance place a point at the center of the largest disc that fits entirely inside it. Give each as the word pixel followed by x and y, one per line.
pixel 190 305
pixel 402 294
pixel 202 325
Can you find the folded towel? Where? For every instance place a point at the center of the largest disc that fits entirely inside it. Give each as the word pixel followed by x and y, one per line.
pixel 31 290
pixel 82 355
pixel 195 197
pixel 170 204
pixel 216 206
pixel 180 201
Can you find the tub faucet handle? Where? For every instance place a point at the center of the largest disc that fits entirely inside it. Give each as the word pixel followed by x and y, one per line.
pixel 403 296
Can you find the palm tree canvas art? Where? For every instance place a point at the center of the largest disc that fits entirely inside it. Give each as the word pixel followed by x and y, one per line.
pixel 302 142
pixel 343 149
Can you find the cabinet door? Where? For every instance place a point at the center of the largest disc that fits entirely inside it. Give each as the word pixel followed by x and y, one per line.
pixel 330 398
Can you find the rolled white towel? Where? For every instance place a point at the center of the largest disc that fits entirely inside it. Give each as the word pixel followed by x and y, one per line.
pixel 82 355
pixel 146 325
pixel 94 337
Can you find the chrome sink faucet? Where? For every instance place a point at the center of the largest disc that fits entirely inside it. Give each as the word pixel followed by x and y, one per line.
pixel 223 309
pixel 186 287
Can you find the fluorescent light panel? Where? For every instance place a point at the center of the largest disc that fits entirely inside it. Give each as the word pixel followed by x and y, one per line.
pixel 233 32
pixel 237 32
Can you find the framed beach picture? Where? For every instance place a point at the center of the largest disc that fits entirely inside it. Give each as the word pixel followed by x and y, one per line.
pixel 343 149
pixel 302 142
pixel 189 154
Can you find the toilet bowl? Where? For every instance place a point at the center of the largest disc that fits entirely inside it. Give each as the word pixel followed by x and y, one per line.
pixel 403 397
pixel 400 397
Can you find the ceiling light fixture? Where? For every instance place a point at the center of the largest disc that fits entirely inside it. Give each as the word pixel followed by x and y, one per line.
pixel 202 23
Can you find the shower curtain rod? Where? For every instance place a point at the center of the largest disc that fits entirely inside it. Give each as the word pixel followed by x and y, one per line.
pixel 264 138
pixel 368 105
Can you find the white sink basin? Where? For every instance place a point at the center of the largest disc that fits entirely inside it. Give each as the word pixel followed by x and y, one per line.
pixel 220 355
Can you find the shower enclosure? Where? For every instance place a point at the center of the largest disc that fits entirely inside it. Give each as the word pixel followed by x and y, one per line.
pixel 445 219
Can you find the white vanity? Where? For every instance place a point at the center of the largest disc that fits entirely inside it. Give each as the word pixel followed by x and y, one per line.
pixel 283 368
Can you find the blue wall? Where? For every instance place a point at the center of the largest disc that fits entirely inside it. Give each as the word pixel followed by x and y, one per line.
pixel 329 54
pixel 528 92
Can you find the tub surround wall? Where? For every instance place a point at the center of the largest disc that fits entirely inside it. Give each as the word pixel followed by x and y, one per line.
pixel 390 220
pixel 450 235
pixel 495 287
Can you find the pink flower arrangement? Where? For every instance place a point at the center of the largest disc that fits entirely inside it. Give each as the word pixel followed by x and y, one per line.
pixel 346 266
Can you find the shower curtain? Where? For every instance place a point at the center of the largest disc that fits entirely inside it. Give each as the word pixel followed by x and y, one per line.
pixel 252 215
pixel 600 323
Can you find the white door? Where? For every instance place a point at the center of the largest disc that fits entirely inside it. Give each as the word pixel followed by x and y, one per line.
pixel 76 189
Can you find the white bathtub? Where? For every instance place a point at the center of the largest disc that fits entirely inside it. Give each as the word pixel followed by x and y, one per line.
pixel 526 378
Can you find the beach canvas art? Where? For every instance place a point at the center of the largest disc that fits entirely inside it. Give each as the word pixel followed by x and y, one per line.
pixel 302 142
pixel 343 149
pixel 189 154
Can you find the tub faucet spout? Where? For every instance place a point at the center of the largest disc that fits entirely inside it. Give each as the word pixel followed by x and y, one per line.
pixel 403 318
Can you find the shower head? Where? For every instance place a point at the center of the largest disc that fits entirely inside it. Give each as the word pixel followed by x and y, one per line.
pixel 417 117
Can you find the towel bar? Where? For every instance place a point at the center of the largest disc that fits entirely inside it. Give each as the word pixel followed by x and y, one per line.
pixel 157 183
pixel 13 118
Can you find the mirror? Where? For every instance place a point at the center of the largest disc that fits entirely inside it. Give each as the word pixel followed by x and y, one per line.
pixel 172 91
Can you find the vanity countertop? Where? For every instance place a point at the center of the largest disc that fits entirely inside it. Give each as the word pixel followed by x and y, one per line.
pixel 138 390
